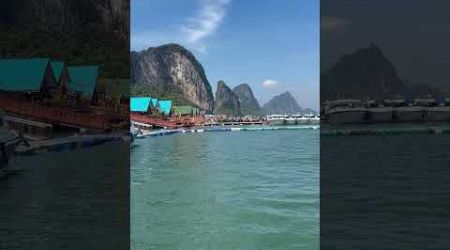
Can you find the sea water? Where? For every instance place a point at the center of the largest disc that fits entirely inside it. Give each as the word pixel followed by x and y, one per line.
pixel 226 190
pixel 74 199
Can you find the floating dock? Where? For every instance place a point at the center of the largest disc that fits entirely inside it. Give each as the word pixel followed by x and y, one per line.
pixel 325 130
pixel 70 143
pixel 228 129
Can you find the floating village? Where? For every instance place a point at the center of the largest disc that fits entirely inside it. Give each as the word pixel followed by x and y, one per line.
pixel 56 106
pixel 151 117
pixel 49 105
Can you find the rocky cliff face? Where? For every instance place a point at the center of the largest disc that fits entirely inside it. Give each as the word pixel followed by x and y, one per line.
pixel 227 102
pixel 282 104
pixel 92 32
pixel 66 16
pixel 174 70
pixel 249 104
pixel 362 74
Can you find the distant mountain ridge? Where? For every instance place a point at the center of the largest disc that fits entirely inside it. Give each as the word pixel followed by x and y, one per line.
pixel 227 102
pixel 367 73
pixel 284 103
pixel 248 103
pixel 172 72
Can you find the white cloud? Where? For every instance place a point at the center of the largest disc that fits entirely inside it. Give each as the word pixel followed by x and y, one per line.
pixel 270 84
pixel 207 21
pixel 192 33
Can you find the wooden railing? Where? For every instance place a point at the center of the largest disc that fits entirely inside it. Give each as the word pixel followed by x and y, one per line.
pixel 54 114
pixel 152 120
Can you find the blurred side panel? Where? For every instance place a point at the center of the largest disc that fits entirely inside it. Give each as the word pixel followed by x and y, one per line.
pixel 385 129
pixel 64 141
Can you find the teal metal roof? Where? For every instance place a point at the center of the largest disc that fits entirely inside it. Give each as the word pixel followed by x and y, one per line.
pixel 154 102
pixel 57 68
pixel 165 106
pixel 139 104
pixel 83 79
pixel 22 74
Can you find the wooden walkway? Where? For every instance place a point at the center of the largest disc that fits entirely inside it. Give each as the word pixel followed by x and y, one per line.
pixel 55 115
pixel 153 121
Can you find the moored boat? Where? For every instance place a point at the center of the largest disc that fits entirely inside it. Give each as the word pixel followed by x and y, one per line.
pixel 407 111
pixel 276 120
pixel 315 119
pixel 294 119
pixel 346 111
pixel 440 112
pixel 309 119
pixel 380 111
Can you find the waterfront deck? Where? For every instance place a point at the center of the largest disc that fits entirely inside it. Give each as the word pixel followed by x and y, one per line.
pixel 158 122
pixel 55 115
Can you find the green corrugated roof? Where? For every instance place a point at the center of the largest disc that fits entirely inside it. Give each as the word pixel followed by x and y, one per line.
pixel 114 87
pixel 183 110
pixel 83 79
pixel 22 74
pixel 57 68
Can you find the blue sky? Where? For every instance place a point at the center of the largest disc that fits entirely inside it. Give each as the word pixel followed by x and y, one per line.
pixel 273 45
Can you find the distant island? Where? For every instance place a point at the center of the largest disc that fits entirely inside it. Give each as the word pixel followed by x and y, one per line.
pixel 171 71
pixel 368 74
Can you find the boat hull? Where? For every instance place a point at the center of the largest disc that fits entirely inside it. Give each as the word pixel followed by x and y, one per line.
pixel 381 115
pixel 291 121
pixel 277 122
pixel 409 114
pixel 438 114
pixel 348 117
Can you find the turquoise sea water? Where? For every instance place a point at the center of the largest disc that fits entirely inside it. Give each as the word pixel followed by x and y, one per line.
pixel 67 200
pixel 226 190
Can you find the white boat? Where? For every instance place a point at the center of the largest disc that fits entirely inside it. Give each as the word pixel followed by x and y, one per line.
pixel 309 119
pixel 439 112
pixel 380 112
pixel 407 111
pixel 276 119
pixel 315 119
pixel 140 130
pixel 293 119
pixel 346 111
pixel 304 119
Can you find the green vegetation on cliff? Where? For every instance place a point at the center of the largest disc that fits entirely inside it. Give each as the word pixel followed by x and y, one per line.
pixel 168 94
